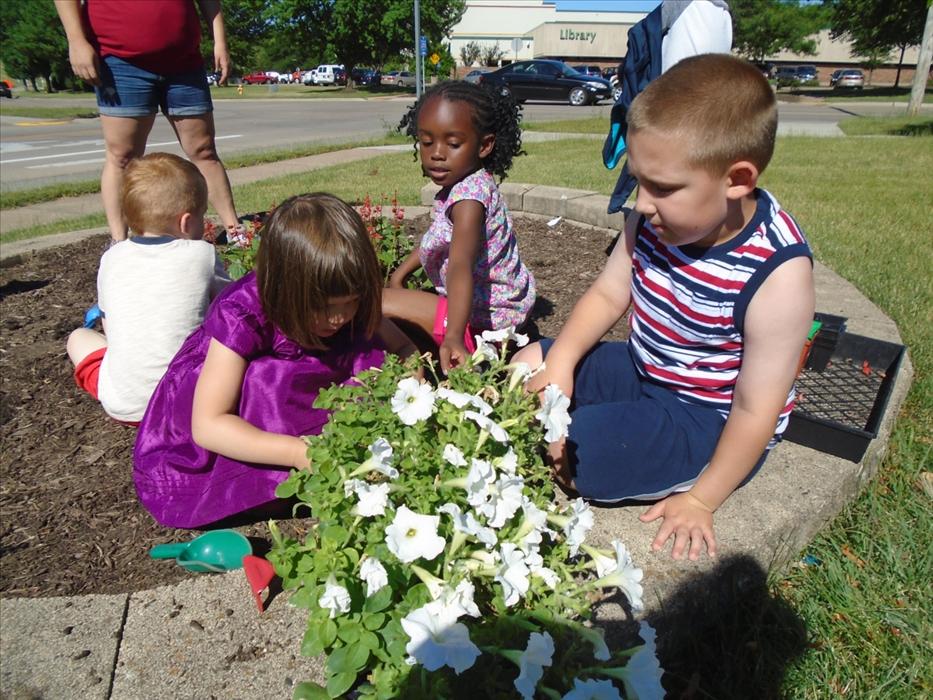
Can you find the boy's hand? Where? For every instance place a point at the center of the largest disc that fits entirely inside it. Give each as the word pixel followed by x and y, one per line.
pixel 687 521
pixel 453 352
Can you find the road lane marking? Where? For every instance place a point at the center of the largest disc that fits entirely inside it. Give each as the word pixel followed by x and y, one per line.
pixel 100 150
pixel 51 123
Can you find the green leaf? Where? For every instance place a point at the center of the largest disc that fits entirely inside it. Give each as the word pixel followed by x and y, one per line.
pixel 309 690
pixel 351 658
pixel 368 640
pixel 312 644
pixel 379 600
pixel 340 683
pixel 374 621
pixel 349 632
pixel 335 534
pixel 287 488
pixel 329 633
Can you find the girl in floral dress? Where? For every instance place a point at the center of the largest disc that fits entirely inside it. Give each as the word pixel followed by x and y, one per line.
pixel 465 134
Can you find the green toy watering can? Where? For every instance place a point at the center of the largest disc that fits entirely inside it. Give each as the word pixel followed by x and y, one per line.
pixel 215 551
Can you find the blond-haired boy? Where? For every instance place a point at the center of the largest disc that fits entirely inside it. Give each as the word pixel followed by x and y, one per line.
pixel 152 289
pixel 719 278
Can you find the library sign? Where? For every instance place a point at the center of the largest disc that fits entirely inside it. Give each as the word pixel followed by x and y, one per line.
pixel 584 40
pixel 573 35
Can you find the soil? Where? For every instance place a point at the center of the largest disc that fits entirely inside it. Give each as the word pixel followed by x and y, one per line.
pixel 70 522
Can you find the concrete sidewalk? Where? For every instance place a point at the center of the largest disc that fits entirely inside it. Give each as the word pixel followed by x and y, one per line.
pixel 203 638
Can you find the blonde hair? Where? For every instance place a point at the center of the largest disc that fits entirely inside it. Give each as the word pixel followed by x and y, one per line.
pixel 722 106
pixel 157 189
pixel 315 247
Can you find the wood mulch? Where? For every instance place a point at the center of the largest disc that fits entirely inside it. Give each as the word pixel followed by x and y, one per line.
pixel 70 522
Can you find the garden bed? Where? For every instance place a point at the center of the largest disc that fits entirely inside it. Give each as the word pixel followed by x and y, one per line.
pixel 69 519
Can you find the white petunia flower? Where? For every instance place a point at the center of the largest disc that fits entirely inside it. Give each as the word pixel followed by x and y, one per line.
pixel 536 566
pixel 505 334
pixel 533 527
pixel 512 574
pixel 380 461
pixel 576 524
pixel 374 574
pixel 503 499
pixel 461 400
pixel 507 462
pixel 454 455
pixel 538 653
pixel 335 598
pixel 469 525
pixel 487 424
pixel 478 481
pixel 553 414
pixel 484 351
pixel 457 600
pixel 597 638
pixel 521 372
pixel 373 497
pixel 622 573
pixel 437 639
pixel 592 689
pixel 642 674
pixel 414 536
pixel 413 401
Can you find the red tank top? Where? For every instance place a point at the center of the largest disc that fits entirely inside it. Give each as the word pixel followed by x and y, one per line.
pixel 161 36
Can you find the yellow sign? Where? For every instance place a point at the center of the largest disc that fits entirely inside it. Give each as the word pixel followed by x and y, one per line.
pixel 435 58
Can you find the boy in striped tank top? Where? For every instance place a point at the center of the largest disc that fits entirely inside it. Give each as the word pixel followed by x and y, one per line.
pixel 719 280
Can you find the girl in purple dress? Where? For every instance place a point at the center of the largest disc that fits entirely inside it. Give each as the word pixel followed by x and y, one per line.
pixel 223 427
pixel 465 134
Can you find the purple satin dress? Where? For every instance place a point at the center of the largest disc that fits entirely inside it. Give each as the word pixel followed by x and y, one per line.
pixel 183 485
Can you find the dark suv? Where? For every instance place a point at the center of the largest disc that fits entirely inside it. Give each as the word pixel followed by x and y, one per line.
pixel 547 80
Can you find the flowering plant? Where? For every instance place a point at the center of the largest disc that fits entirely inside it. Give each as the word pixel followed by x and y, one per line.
pixel 388 236
pixel 239 253
pixel 439 550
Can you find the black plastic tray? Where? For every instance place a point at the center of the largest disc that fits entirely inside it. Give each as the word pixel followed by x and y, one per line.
pixel 839 408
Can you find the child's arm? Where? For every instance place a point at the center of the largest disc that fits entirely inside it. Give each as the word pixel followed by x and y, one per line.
pixel 468 217
pixel 216 427
pixel 395 340
pixel 411 263
pixel 776 325
pixel 598 310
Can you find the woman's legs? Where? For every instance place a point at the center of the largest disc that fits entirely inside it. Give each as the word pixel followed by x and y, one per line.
pixel 196 136
pixel 125 139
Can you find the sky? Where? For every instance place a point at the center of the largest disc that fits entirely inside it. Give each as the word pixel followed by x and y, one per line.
pixel 606 5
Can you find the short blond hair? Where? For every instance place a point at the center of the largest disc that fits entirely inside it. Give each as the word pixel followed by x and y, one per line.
pixel 722 106
pixel 157 189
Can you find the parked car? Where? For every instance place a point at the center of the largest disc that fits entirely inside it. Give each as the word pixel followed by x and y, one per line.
pixel 834 76
pixel 256 78
pixel 786 75
pixel 542 79
pixel 589 70
pixel 325 74
pixel 609 73
pixel 390 77
pixel 473 75
pixel 5 90
pixel 806 74
pixel 850 79
pixel 340 76
pixel 308 77
pixel 405 79
pixel 365 76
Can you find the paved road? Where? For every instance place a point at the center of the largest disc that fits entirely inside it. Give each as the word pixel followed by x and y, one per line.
pixel 34 152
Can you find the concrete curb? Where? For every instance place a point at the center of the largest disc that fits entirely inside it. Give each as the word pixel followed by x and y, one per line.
pixel 203 638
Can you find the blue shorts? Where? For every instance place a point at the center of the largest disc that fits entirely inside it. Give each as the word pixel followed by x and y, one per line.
pixel 129 91
pixel 631 438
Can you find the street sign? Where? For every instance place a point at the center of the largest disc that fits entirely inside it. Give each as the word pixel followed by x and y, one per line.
pixel 434 58
pixel 516 44
pixel 424 46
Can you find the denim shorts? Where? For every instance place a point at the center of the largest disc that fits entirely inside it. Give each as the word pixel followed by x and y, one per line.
pixel 129 91
pixel 630 438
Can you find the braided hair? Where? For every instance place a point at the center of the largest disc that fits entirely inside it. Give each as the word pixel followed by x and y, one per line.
pixel 493 113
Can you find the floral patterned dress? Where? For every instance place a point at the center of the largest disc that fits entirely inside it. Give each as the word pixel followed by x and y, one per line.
pixel 503 287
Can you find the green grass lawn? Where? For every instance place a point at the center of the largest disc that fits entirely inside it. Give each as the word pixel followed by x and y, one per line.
pixel 865 205
pixel 8 109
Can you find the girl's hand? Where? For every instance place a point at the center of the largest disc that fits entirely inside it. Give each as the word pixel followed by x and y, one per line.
pixel 453 353
pixel 563 380
pixel 685 519
pixel 300 458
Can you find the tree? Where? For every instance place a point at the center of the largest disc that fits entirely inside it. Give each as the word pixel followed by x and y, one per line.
pixel 879 25
pixel 491 54
pixel 359 33
pixel 762 28
pixel 33 43
pixel 470 53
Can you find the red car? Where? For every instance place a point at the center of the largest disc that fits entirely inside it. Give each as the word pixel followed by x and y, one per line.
pixel 256 78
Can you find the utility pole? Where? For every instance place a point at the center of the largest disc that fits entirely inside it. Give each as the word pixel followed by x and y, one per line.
pixel 923 66
pixel 419 77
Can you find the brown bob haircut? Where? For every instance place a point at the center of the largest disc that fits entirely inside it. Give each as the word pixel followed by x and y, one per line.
pixel 157 189
pixel 315 247
pixel 722 106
